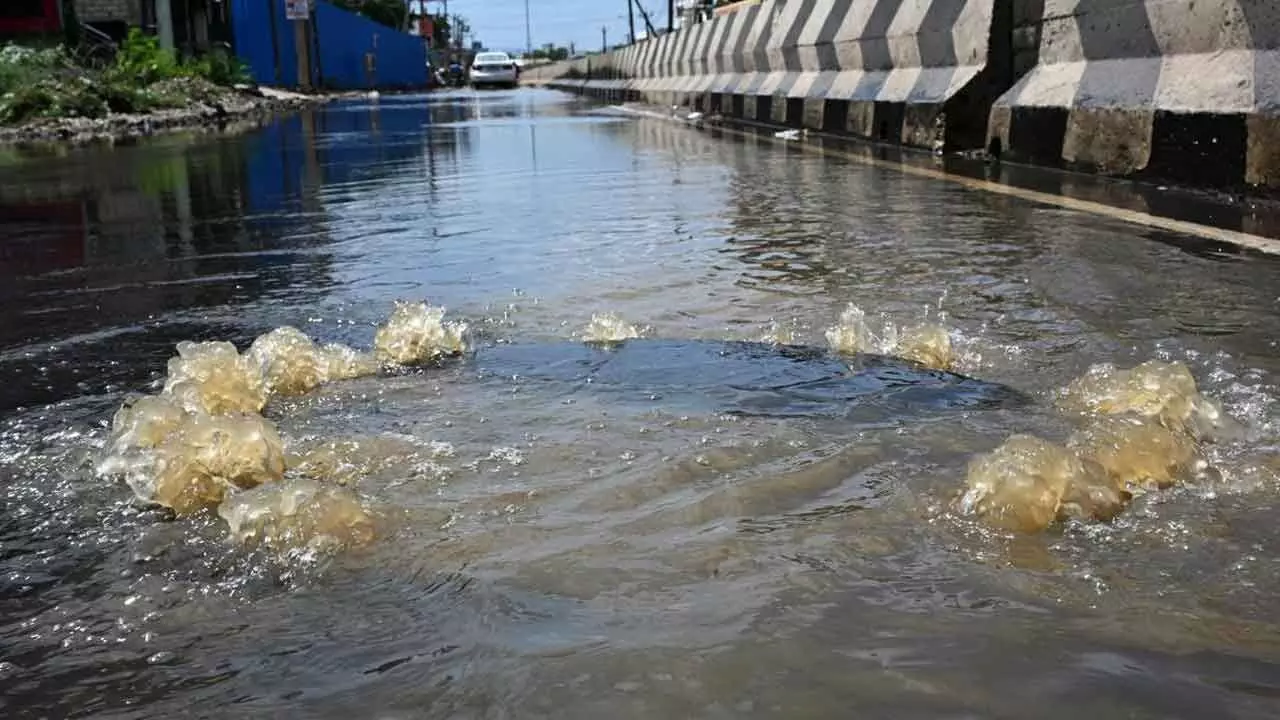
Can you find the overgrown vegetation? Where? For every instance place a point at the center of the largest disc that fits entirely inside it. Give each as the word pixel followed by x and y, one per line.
pixel 52 83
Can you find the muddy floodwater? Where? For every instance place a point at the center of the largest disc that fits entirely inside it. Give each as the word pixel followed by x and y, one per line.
pixel 532 410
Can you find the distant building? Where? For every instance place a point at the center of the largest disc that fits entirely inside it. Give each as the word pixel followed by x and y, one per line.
pixel 187 25
pixel 692 12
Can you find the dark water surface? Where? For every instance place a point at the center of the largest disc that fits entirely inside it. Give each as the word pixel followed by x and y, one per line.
pixel 645 552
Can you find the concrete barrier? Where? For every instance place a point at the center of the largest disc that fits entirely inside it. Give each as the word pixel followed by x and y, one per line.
pixel 1186 91
pixel 1181 90
pixel 916 72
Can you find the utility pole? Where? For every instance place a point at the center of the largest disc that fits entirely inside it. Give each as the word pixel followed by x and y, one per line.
pixel 648 22
pixel 528 34
pixel 604 39
pixel 299 13
pixel 671 15
pixel 631 21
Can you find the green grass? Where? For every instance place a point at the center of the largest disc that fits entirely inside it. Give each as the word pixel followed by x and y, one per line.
pixel 49 83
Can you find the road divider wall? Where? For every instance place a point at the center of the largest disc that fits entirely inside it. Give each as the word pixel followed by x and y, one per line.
pixel 914 72
pixel 1179 90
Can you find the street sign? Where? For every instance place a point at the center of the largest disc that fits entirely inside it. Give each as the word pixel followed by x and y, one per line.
pixel 297 9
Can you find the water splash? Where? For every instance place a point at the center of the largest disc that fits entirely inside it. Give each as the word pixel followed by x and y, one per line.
pixel 298 514
pixel 214 378
pixel 202 441
pixel 1144 431
pixel 1137 452
pixel 418 332
pixel 343 363
pixel 204 459
pixel 927 343
pixel 780 333
pixel 292 363
pixel 1163 390
pixel 610 328
pixel 1021 485
pixel 144 422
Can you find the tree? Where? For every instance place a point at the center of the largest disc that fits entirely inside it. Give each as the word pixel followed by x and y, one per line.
pixel 392 13
pixel 550 52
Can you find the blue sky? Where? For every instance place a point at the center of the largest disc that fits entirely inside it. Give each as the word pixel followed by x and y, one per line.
pixel 500 23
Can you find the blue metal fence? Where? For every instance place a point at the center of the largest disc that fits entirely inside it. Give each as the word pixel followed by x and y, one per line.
pixel 349 52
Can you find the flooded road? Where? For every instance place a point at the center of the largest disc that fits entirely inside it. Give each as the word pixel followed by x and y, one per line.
pixel 562 532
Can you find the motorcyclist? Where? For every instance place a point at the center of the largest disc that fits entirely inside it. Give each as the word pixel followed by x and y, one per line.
pixel 455 70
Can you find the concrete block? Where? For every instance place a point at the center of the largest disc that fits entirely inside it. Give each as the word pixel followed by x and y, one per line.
pixel 1111 141
pixel 777 109
pixel 1183 89
pixel 813 113
pixel 998 130
pixel 1262 164
pixel 1026 38
pixel 1027 12
pixel 860 121
pixel 886 52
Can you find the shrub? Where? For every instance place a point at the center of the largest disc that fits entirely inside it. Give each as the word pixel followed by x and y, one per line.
pixel 44 83
pixel 51 98
pixel 142 59
pixel 23 66
pixel 220 68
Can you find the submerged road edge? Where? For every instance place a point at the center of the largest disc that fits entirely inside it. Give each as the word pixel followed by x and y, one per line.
pixel 1208 232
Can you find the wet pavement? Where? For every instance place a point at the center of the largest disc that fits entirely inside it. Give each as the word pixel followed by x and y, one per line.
pixel 642 538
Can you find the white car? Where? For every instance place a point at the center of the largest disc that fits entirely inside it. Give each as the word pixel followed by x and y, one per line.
pixel 494 68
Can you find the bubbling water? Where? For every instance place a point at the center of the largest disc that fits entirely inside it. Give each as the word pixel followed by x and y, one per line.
pixel 416 333
pixel 1144 428
pixel 292 364
pixel 607 328
pixel 928 344
pixel 298 514
pixel 1021 484
pixel 1153 389
pixel 202 443
pixel 1137 452
pixel 214 378
pixel 208 458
